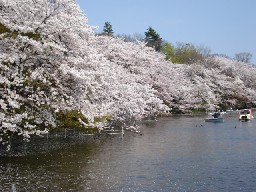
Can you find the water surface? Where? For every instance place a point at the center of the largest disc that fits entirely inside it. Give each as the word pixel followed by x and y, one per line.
pixel 181 153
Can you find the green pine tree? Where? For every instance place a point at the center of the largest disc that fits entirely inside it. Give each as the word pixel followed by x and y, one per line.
pixel 107 29
pixel 153 39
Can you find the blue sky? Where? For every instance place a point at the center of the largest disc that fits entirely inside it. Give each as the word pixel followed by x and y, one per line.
pixel 225 26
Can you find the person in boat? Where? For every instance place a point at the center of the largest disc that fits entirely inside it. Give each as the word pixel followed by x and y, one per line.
pixel 216 115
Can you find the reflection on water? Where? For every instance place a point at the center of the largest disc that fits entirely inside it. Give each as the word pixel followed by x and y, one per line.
pixel 180 153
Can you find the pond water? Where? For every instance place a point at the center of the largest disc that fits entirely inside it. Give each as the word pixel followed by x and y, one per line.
pixel 180 153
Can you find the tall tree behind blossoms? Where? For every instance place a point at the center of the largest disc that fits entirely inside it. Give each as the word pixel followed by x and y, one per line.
pixel 48 63
pixel 153 39
pixel 107 29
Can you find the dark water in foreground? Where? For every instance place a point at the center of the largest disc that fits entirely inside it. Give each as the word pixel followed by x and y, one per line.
pixel 175 154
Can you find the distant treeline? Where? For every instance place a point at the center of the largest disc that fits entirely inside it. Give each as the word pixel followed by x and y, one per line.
pixel 180 53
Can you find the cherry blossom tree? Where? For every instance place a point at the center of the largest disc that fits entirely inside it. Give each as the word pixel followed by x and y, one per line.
pixel 49 64
pixel 52 63
pixel 38 38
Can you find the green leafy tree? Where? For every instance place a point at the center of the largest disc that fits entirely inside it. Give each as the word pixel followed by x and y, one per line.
pixel 107 29
pixel 168 50
pixel 153 39
pixel 187 53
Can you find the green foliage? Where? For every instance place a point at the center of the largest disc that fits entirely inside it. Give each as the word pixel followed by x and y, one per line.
pixel 167 49
pixel 103 118
pixel 198 110
pixel 241 105
pixel 37 85
pixel 176 110
pixel 35 36
pixel 9 33
pixel 186 53
pixel 153 39
pixel 4 29
pixel 224 106
pixel 107 29
pixel 70 120
pixel 14 34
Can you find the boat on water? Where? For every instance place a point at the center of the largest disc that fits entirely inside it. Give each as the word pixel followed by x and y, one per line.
pixel 245 115
pixel 215 118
